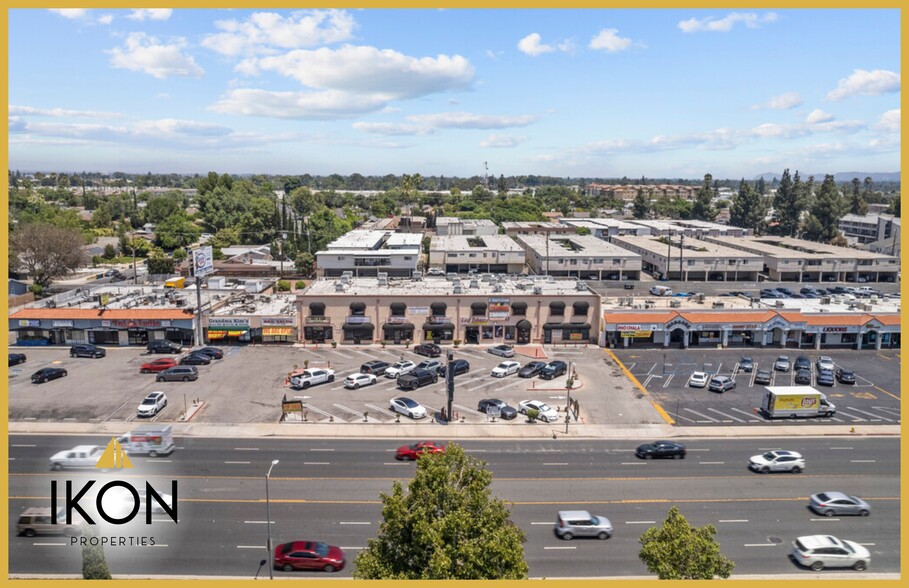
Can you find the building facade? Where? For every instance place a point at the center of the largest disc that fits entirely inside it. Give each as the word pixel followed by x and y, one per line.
pixel 368 253
pixel 453 226
pixel 488 253
pixel 688 259
pixel 115 327
pixel 583 256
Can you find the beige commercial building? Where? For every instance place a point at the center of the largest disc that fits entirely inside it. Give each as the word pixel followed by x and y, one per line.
pixel 515 228
pixel 486 253
pixel 453 226
pixel 583 256
pixel 684 258
pixel 484 310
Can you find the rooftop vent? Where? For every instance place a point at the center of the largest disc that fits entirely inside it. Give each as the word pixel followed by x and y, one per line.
pixel 457 289
pixel 416 276
pixel 675 303
pixel 339 287
pixel 474 283
pixel 580 286
pixel 537 290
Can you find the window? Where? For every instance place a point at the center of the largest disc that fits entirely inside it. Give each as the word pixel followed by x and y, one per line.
pixel 408 257
pixel 573 262
pixel 615 260
pixel 452 255
pixel 690 262
pixel 473 255
pixel 341 258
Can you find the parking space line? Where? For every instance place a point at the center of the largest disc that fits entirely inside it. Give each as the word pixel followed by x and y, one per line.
pixel 469 410
pixel 887 393
pixel 709 419
pixel 738 420
pixel 876 416
pixel 892 411
pixel 238 462
pixel 851 416
pixel 750 416
pixel 352 411
pixel 320 411
pixel 381 410
pixel 669 379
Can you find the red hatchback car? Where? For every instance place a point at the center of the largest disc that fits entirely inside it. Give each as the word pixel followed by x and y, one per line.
pixel 157 365
pixel 308 555
pixel 412 452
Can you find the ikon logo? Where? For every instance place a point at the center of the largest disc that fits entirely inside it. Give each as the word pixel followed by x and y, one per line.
pixel 114 457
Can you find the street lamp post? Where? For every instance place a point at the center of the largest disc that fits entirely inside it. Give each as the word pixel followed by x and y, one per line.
pixel 281 250
pixel 271 556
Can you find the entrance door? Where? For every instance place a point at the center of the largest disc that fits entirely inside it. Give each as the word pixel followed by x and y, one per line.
pixel 472 335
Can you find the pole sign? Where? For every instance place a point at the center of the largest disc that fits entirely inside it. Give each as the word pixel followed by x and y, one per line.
pixel 203 261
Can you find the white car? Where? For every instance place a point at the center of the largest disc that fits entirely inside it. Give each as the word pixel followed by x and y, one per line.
pixel 501 350
pixel 825 363
pixel 152 405
pixel 434 271
pixel 355 381
pixel 81 456
pixel 826 551
pixel 408 407
pixel 777 461
pixel 546 414
pixel 698 379
pixel 506 368
pixel 402 367
pixel 311 377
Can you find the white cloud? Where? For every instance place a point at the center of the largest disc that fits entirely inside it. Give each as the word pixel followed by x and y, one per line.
pixel 866 83
pixel 106 19
pixel 268 32
pixel 377 128
pixel 502 141
pixel 362 69
pixel 531 45
pixel 169 127
pixel 890 122
pixel 150 14
pixel 143 53
pixel 723 25
pixel 610 40
pixel 70 13
pixel 785 101
pixel 818 116
pixel 16 110
pixel 16 125
pixel 468 120
pixel 325 105
pixel 774 130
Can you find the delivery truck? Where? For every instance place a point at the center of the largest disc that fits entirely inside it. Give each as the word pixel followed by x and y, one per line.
pixel 150 440
pixel 795 401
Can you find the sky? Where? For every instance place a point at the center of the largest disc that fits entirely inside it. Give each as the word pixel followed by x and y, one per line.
pixel 595 92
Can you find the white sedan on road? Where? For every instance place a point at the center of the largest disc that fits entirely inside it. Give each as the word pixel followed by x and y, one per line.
pixel 355 381
pixel 547 414
pixel 408 407
pixel 506 368
pixel 698 379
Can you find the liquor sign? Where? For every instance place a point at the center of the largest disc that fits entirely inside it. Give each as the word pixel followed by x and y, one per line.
pixel 63 323
pixel 278 321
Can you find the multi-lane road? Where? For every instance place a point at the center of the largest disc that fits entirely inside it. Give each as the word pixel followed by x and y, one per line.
pixel 328 490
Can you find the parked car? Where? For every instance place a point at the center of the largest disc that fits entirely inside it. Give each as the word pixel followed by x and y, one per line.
pixel 432 365
pixel 356 381
pixel 308 555
pixel 311 377
pixel 428 349
pixel 400 368
pixel 531 369
pixel 195 359
pixel 434 271
pixel 698 379
pixel 554 369
pixel 375 367
pixel 546 413
pixel 721 384
pixel 213 352
pixel 157 365
pixel 661 449
pixel 782 364
pixel 16 358
pixel 825 363
pixel 417 378
pixel 838 503
pixel 803 377
pixel 415 450
pixel 777 461
pixel 458 366
pixel 802 363
pixel 580 523
pixel 163 346
pixel 845 376
pixel 502 350
pixel 826 551
pixel 180 373
pixel 506 368
pixel 746 364
pixel 408 407
pixel 86 350
pixel 46 374
pixel 505 412
pixel 152 404
pixel 825 378
pixel 763 377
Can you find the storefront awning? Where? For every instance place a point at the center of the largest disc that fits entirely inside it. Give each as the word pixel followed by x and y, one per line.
pixel 438 327
pixel 524 325
pixel 217 334
pixel 578 326
pixel 359 327
pixel 398 327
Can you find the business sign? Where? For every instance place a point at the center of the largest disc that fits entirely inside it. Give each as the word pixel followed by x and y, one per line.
pixel 63 324
pixel 277 331
pixel 637 334
pixel 621 328
pixel 396 319
pixel 421 310
pixel 104 299
pixel 29 323
pixel 228 321
pixel 278 321
pixel 357 319
pixel 438 319
pixel 317 320
pixel 836 329
pixel 474 320
pixel 745 327
pixel 203 261
pixel 576 336
pixel 498 305
pixel 132 323
pixel 495 315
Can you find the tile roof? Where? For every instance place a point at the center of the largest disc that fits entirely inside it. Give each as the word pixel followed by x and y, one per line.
pixel 638 317
pixel 95 313
pixel 728 316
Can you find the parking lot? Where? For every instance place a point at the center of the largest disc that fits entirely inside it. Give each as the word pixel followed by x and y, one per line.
pixel 874 399
pixel 247 386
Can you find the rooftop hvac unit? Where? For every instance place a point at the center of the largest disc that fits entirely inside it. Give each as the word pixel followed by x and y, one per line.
pixel 550 279
pixel 382 275
pixel 519 286
pixel 675 303
pixel 345 279
pixel 339 287
pixel 497 288
pixel 457 289
pixel 537 290
pixel 719 305
pixel 451 277
pixel 779 303
pixel 825 300
pixel 383 281
pixel 580 286
pixel 416 276
pixel 347 273
pixel 474 283
pixel 700 297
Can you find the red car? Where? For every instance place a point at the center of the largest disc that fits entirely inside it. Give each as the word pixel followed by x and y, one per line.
pixel 412 452
pixel 157 365
pixel 308 555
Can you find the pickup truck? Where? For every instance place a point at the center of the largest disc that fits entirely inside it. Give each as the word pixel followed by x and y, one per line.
pixel 81 456
pixel 311 377
pixel 417 378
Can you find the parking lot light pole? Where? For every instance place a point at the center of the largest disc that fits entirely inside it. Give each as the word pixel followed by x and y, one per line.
pixel 271 555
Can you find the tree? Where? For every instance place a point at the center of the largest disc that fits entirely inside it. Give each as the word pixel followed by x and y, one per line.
pixel 46 252
pixel 94 564
pixel 786 206
pixel 748 209
pixel 176 231
pixel 160 264
pixel 829 207
pixel 702 208
pixel 110 251
pixel 894 207
pixel 446 527
pixel 582 231
pixel 641 206
pixel 305 263
pixel 678 551
pixel 857 204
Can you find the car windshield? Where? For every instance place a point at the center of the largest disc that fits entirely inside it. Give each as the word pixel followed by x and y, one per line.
pixel 321 549
pixel 848 547
pixel 769 456
pixel 823 497
pixel 504 365
pixel 595 520
pixel 148 401
pixel 544 408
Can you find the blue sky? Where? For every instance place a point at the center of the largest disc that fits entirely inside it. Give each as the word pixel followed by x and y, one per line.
pixel 597 92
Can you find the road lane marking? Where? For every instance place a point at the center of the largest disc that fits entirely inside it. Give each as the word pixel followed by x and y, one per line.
pixel 871 544
pixel 640 522
pixel 824 519
pixel 246 449
pixel 555 463
pixel 736 419
pixel 862 460
pixel 733 520
pixel 709 419
pixel 316 463
pixel 22 445
pixel 320 449
pixel 669 379
pixel 760 545
pixel 351 548
pixel 355 523
pixel 567 547
pixel 238 462
pixel 842 448
pixel 47 544
pixel 257 522
pixel 887 393
pixel 712 462
pixel 634 463
pixel 156 460
pixel 250 547
pixel 690 450
pixel 541 523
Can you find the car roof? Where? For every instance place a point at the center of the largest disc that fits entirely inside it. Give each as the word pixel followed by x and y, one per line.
pixel 574 514
pixel 786 452
pixel 815 541
pixel 834 495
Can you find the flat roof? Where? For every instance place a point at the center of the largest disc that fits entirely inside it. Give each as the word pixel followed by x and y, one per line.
pixel 694 248
pixel 532 225
pixel 404 239
pixel 453 220
pixel 443 288
pixel 364 241
pixel 464 243
pixel 585 245
pixel 600 222
pixel 790 247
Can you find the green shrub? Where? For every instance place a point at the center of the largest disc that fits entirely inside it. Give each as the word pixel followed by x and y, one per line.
pixel 283 286
pixel 300 284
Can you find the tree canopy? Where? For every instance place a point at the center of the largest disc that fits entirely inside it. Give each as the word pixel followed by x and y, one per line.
pixel 47 252
pixel 446 526
pixel 677 551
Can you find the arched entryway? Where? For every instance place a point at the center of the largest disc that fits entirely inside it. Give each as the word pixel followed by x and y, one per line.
pixel 678 336
pixel 524 328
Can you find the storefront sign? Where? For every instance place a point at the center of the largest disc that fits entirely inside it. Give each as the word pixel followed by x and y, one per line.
pixel 63 323
pixel 498 305
pixel 576 336
pixel 678 323
pixel 356 320
pixel 132 324
pixel 228 321
pixel 421 310
pixel 278 321
pixel 277 331
pixel 317 319
pixel 745 327
pixel 621 328
pixel 396 319
pixel 104 299
pixel 29 323
pixel 836 329
pixel 637 334
pixel 498 316
pixel 438 319
pixel 474 320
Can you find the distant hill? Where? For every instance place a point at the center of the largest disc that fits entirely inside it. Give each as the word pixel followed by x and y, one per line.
pixel 839 176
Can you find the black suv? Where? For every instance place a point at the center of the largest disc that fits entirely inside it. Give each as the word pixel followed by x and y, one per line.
pixel 554 369
pixel 458 366
pixel 802 363
pixel 86 350
pixel 428 349
pixel 163 346
pixel 416 378
pixel 374 367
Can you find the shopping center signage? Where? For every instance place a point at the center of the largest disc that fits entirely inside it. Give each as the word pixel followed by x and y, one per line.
pixel 278 321
pixel 229 322
pixel 135 323
pixel 498 305
pixel 29 323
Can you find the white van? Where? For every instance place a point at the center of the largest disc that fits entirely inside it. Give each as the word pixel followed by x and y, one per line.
pixel 661 291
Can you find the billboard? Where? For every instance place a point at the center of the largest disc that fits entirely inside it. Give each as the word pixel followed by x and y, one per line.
pixel 203 262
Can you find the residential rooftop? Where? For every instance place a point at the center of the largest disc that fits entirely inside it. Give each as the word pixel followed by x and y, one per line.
pixel 693 248
pixel 789 247
pixel 567 246
pixel 366 240
pixel 474 243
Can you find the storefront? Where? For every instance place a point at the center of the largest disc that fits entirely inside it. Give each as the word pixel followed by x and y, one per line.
pixel 277 329
pixel 397 330
pixel 228 329
pixel 111 328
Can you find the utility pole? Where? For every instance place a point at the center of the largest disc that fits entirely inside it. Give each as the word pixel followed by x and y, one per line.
pixel 681 253
pixel 668 254
pixel 449 382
